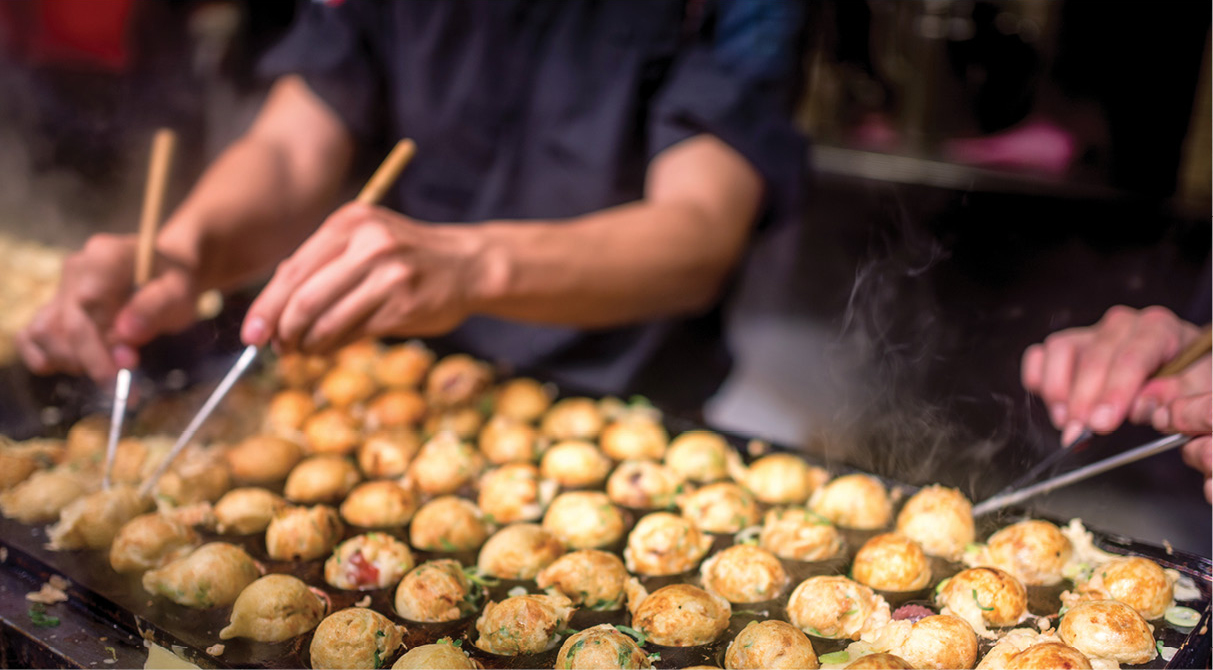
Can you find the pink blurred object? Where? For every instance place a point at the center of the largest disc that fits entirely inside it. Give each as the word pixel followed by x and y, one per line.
pixel 874 132
pixel 1037 145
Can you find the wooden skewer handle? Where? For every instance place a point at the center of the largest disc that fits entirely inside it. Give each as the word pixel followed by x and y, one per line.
pixel 163 146
pixel 387 172
pixel 1199 347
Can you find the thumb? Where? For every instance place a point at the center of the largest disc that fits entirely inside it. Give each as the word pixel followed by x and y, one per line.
pixel 1190 414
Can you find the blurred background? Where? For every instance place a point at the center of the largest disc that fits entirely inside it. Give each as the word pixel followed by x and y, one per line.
pixel 983 173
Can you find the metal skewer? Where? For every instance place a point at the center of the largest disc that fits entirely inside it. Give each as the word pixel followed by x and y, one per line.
pixel 1144 451
pixel 163 145
pixel 374 190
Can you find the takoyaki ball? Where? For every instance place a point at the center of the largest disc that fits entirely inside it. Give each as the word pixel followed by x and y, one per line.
pixel 744 574
pixel 573 419
pixel 770 644
pixel 891 562
pixel 130 458
pixel 302 533
pixel 1049 656
pixel 150 541
pixel 1011 643
pixel 465 422
pixel 575 464
pixel 634 437
pixel 457 380
pixel 879 661
pixel 395 408
pixel 288 410
pixel 601 646
pixel 662 543
pixel 527 624
pixel 940 520
pixel 854 501
pixel 519 551
pixel 448 523
pixel 699 456
pixel 514 492
pixel 442 654
pixel 15 468
pixel 355 637
pixel 799 534
pixel 939 641
pixel 370 561
pixel 584 520
pixel 522 399
pixel 275 608
pixel 342 387
pixel 197 475
pixel 984 596
pixel 1108 629
pixel 359 355
pixel 780 479
pixel 836 608
pixel 723 507
pixel 444 465
pixel 506 440
pixel 643 485
pixel 297 370
pixel 263 459
pixel 332 431
pixel 379 504
pixel 87 439
pixel 589 578
pixel 91 521
pixel 1034 551
pixel 43 494
pixel 404 366
pixel 1135 581
pixel 246 510
pixel 210 576
pixel 680 615
pixel 387 453
pixel 435 591
pixel 321 479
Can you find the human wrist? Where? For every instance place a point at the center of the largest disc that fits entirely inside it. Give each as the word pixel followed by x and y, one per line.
pixel 490 266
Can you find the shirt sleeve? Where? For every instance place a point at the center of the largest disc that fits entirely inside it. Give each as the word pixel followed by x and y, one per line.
pixel 738 79
pixel 329 46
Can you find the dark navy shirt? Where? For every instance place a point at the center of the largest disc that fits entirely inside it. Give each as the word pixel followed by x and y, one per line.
pixel 549 109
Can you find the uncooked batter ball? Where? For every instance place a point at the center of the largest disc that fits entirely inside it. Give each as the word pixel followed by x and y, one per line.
pixel 634 436
pixel 527 624
pixel 444 465
pixel 799 534
pixel 514 492
pixel 584 520
pixel 744 574
pixel 836 608
pixel 891 562
pixel 643 485
pixel 601 646
pixel 1135 581
pixel 770 644
pixel 506 440
pixel 522 399
pixel 940 520
pixel 854 501
pixel 665 544
pixel 589 578
pixel 448 523
pixel 303 533
pixel 780 479
pixel 387 453
pixel 1108 629
pixel 355 637
pixel 435 591
pixel 263 459
pixel 723 507
pixel 680 615
pixel 575 464
pixel 573 419
pixel 365 562
pixel 699 456
pixel 457 380
pixel 1034 551
pixel 326 478
pixel 332 431
pixel 984 596
pixel 519 551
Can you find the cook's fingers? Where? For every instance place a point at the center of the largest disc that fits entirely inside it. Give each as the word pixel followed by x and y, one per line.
pixel 1189 414
pixel 90 350
pixel 1057 373
pixel 1198 454
pixel 1032 368
pixel 36 360
pixel 1194 379
pixel 346 319
pixel 163 305
pixel 316 299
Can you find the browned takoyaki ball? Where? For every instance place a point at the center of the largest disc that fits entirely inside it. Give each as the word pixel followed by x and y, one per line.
pixel 522 399
pixel 891 562
pixel 643 485
pixel 379 504
pixel 1034 551
pixel 1108 629
pixel 526 624
pixel 939 519
pixel 444 465
pixel 325 478
pixel 297 370
pixel 699 456
pixel 634 436
pixel 679 615
pixel 288 411
pixel 263 459
pixel 879 661
pixel 43 494
pixel 302 533
pixel 940 641
pixel 465 422
pixel 387 453
pixel 355 637
pixel 246 510
pixel 601 646
pixel 435 591
pixel 575 464
pixel 212 575
pixel 836 608
pixel 519 551
pixel 573 419
pixel 744 574
pixel 275 608
pixel 343 387
pixel 584 520
pixel 984 596
pixel 770 644
pixel 799 534
pixel 404 366
pixel 1135 581
pixel 150 541
pixel 360 355
pixel 665 544
pixel 448 523
pixel 87 438
pixel 332 430
pixel 395 408
pixel 1049 656
pixel 514 492
pixel 854 501
pixel 370 561
pixel 590 578
pixel 444 653
pixel 723 507
pixel 92 520
pixel 506 440
pixel 781 479
pixel 457 380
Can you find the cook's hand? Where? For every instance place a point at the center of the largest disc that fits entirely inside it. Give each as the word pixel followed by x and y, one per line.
pixel 94 324
pixel 366 272
pixel 1192 415
pixel 1096 376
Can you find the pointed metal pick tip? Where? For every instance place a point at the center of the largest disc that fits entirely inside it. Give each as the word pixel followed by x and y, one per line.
pixel 122 393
